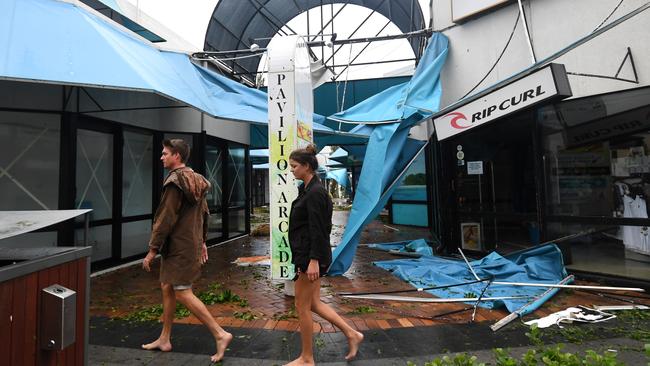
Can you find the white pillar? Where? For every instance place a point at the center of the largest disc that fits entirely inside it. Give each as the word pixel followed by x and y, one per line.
pixel 290 98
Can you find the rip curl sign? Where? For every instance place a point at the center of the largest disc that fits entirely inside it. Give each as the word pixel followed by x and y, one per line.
pixel 290 99
pixel 544 84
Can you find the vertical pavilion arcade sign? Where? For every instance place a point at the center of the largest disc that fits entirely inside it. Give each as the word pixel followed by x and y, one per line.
pixel 290 98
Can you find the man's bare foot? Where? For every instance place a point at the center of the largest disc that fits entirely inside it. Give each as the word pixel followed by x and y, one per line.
pixel 164 346
pixel 300 361
pixel 354 341
pixel 222 344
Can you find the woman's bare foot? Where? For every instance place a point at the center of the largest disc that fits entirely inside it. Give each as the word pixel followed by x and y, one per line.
pixel 354 341
pixel 222 344
pixel 300 361
pixel 158 344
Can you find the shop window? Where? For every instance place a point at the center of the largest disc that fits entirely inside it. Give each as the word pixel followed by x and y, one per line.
pixel 135 236
pixel 137 173
pixel 236 190
pixel 99 238
pixel 94 176
pixel 597 162
pixel 597 154
pixel 29 164
pixel 214 156
pixel 409 201
pixel 599 249
pixel 260 187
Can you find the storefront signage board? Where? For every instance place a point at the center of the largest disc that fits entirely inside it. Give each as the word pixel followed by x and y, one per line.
pixel 290 99
pixel 474 167
pixel 546 84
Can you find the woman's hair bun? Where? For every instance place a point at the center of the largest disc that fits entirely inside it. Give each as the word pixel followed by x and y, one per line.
pixel 306 155
pixel 311 149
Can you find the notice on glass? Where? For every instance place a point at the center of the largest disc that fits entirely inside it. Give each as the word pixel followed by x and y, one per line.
pixel 474 167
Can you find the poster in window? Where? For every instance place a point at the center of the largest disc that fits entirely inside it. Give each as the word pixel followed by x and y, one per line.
pixel 471 235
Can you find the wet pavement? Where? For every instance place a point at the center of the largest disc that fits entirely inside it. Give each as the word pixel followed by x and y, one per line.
pixel 119 345
pixel 264 324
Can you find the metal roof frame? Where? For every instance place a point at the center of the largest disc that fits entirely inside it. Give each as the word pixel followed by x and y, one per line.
pixel 236 24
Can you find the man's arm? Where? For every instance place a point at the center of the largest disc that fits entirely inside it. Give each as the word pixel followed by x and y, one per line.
pixel 166 218
pixel 206 218
pixel 206 221
pixel 170 206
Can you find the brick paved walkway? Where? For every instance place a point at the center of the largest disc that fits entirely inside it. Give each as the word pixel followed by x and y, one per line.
pixel 127 290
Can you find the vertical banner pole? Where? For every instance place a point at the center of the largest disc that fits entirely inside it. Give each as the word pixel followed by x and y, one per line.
pixel 290 99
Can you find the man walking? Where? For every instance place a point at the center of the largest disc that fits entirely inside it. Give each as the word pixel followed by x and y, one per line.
pixel 179 234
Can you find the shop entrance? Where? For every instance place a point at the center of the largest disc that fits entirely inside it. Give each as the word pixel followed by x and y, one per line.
pixel 493 192
pixel 112 174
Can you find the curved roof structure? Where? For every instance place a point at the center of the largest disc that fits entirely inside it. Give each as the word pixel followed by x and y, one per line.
pixel 235 23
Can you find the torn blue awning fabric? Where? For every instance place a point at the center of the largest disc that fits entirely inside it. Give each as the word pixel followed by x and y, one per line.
pixel 421 94
pixel 389 152
pixel 419 246
pixel 60 42
pixel 543 264
pixel 339 175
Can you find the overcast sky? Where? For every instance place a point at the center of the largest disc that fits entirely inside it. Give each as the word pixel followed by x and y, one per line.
pixel 189 19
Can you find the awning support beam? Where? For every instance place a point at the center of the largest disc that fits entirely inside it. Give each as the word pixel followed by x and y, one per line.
pixel 357 29
pixel 360 52
pixel 420 33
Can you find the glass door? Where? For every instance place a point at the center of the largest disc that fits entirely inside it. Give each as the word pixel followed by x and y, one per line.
pixel 237 193
pixel 137 188
pixel 215 154
pixel 494 186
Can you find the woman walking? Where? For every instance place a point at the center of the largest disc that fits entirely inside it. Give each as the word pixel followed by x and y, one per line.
pixel 310 224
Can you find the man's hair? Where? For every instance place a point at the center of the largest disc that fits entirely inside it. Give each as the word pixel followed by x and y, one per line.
pixel 178 146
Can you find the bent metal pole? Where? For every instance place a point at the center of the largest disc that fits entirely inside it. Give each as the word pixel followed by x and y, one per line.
pixel 524 284
pixel 551 285
pixel 518 313
pixel 432 299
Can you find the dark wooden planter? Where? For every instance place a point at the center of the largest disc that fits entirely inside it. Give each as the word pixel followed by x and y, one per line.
pixel 23 274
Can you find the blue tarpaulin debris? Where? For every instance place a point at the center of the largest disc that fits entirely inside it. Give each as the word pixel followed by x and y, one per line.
pixel 419 246
pixel 381 168
pixel 389 152
pixel 64 43
pixel 339 175
pixel 543 264
pixel 420 95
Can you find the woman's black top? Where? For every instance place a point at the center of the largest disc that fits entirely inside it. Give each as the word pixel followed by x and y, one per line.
pixel 310 224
